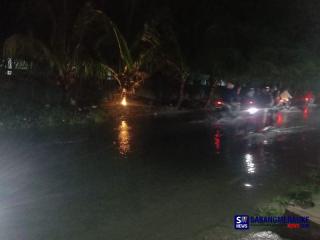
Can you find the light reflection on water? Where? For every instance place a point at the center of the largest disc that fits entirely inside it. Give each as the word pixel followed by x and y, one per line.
pixel 305 113
pixel 279 119
pixel 124 138
pixel 217 141
pixel 247 185
pixel 250 164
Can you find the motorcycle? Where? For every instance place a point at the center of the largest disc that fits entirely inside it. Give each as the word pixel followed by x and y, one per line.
pixel 308 100
pixel 224 109
pixel 249 105
pixel 284 104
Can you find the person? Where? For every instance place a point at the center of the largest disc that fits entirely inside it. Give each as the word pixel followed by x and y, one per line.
pixel 238 93
pixel 229 93
pixel 276 95
pixel 285 95
pixel 229 96
pixel 251 93
pixel 266 97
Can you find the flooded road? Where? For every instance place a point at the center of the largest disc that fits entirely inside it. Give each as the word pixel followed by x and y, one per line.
pixel 148 178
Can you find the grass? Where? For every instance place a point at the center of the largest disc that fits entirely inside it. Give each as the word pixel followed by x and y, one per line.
pixel 299 195
pixel 33 116
pixel 25 103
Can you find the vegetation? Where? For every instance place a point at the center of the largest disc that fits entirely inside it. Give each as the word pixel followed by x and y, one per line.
pixel 69 50
pixel 155 47
pixel 33 115
pixel 298 195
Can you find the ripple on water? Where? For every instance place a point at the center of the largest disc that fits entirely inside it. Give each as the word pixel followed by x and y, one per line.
pixel 266 235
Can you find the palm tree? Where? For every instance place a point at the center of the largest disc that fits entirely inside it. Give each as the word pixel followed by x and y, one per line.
pixel 169 54
pixel 66 52
pixel 73 52
pixel 134 64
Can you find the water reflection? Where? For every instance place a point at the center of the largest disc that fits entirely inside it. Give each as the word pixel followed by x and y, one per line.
pixel 250 164
pixel 247 185
pixel 217 141
pixel 305 113
pixel 279 119
pixel 124 138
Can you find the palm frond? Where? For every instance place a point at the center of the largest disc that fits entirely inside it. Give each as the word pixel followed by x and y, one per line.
pixel 90 15
pixel 123 47
pixel 114 73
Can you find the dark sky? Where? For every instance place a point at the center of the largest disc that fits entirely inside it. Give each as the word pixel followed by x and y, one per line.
pixel 200 25
pixel 263 14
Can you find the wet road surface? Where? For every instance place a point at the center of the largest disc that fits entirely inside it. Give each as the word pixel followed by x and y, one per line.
pixel 148 178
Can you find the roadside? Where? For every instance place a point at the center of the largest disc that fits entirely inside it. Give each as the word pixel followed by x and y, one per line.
pixel 301 200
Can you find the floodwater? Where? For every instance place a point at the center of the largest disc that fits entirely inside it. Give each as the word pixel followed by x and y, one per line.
pixel 153 178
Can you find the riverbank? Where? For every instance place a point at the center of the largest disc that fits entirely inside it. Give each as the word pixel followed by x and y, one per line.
pixel 300 200
pixel 313 232
pixel 32 116
pixel 138 108
pixel 43 116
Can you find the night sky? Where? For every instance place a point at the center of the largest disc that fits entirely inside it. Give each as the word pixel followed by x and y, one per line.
pixel 206 30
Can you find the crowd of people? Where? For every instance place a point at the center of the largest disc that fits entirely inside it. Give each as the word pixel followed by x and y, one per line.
pixel 265 96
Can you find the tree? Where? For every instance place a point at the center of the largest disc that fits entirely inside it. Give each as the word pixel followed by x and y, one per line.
pixel 169 55
pixel 133 65
pixel 65 47
pixel 74 50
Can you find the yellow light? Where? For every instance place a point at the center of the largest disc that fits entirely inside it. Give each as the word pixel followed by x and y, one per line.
pixel 124 138
pixel 124 125
pixel 124 102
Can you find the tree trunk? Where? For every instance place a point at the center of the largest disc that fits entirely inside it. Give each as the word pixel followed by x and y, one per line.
pixel 181 92
pixel 211 93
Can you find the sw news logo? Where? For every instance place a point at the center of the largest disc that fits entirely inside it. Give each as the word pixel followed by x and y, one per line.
pixel 241 222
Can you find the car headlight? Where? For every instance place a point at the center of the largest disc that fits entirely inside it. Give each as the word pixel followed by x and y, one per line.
pixel 252 110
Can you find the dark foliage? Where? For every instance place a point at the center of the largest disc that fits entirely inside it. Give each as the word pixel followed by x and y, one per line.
pixel 275 42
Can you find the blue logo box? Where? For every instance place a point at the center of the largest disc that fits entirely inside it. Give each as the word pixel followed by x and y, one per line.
pixel 241 222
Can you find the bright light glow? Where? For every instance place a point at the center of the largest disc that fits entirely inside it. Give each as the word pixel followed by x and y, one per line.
pixel 124 125
pixel 124 102
pixel 250 164
pixel 252 110
pixel 248 185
